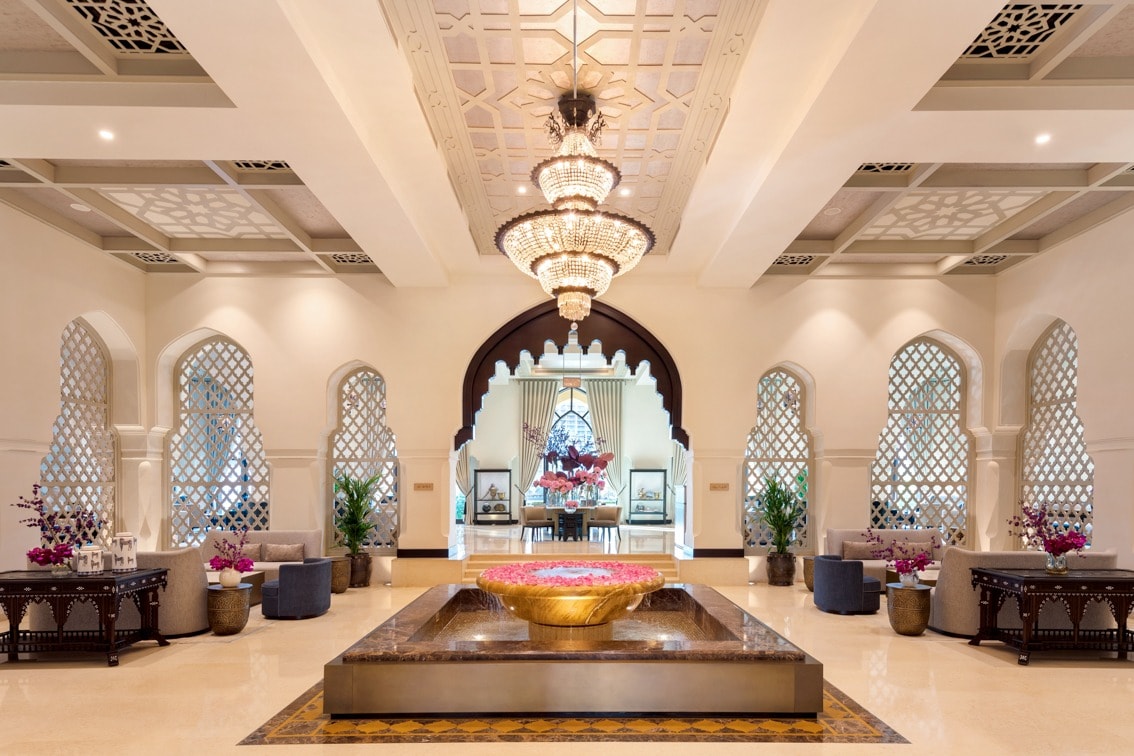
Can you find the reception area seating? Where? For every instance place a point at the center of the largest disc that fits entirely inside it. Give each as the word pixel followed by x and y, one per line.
pixel 535 519
pixel 302 590
pixel 855 544
pixel 605 519
pixel 269 549
pixel 841 587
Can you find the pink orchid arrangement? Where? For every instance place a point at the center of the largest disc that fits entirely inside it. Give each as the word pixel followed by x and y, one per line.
pixel 1036 526
pixel 231 555
pixel 906 558
pixel 60 533
pixel 575 470
pixel 569 573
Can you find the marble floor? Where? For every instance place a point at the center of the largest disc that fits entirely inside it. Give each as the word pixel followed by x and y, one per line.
pixel 202 695
pixel 506 539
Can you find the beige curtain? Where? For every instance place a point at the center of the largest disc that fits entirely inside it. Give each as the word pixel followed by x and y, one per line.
pixel 464 471
pixel 538 402
pixel 604 395
pixel 678 466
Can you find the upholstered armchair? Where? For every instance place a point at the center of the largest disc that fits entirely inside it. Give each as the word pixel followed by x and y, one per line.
pixel 604 519
pixel 535 518
pixel 301 592
pixel 841 588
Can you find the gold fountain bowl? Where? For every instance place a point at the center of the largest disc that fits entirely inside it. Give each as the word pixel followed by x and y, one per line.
pixel 571 606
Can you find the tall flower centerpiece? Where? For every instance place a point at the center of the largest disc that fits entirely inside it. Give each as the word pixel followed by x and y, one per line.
pixel 906 559
pixel 60 533
pixel 230 559
pixel 580 476
pixel 1037 526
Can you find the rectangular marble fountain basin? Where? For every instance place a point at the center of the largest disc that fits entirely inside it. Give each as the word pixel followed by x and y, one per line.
pixel 686 649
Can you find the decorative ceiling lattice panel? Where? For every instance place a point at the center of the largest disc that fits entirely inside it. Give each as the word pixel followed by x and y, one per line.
pixel 1020 30
pixel 78 472
pixel 352 258
pixel 779 447
pixel 262 165
pixel 218 473
pixel 362 445
pixel 196 213
pixel 885 167
pixel 921 472
pixel 1055 468
pixel 662 75
pixel 129 26
pixel 934 215
pixel 986 260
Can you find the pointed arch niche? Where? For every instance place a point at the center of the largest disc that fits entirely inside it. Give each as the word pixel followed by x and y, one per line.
pixel 528 332
pixel 629 399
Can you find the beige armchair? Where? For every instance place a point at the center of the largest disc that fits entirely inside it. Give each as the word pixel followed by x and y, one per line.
pixel 535 518
pixel 605 518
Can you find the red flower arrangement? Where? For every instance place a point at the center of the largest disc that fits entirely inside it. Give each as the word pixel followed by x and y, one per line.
pixel 231 555
pixel 1036 527
pixel 60 533
pixel 906 558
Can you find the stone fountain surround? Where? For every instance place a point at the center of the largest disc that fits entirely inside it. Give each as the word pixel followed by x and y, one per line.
pixel 746 667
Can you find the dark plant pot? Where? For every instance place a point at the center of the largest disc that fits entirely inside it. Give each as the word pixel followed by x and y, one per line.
pixel 359 570
pixel 781 569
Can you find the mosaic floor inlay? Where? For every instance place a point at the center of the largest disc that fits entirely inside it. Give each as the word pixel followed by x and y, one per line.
pixel 842 721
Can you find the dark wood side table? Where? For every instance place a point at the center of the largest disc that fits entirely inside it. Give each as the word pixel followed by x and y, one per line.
pixel 106 591
pixel 1075 590
pixel 228 608
pixel 908 608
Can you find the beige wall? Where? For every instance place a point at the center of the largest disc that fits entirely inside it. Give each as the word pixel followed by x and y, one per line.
pixel 299 331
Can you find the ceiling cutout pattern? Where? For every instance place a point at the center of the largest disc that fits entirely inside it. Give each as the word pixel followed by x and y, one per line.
pixel 1020 30
pixel 196 213
pixel 986 260
pixel 661 74
pixel 886 167
pixel 129 26
pixel 261 165
pixel 935 215
pixel 156 258
pixel 351 258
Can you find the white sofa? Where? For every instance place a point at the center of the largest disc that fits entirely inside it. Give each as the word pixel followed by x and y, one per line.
pixel 955 605
pixel 848 544
pixel 310 540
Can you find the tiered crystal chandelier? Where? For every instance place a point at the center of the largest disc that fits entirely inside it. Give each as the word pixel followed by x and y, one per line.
pixel 574 250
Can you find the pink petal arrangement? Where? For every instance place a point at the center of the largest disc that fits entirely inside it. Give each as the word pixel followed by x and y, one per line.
pixel 559 573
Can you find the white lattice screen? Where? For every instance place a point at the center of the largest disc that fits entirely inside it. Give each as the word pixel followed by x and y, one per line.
pixel 362 445
pixel 779 447
pixel 920 476
pixel 78 472
pixel 1055 468
pixel 218 477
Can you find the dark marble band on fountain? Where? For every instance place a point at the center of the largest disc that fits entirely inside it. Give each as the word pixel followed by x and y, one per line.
pixel 734 635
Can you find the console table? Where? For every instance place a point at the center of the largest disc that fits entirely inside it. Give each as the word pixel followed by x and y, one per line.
pixel 105 591
pixel 1075 590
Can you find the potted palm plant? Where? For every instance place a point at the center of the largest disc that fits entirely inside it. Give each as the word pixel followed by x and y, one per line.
pixel 781 515
pixel 354 525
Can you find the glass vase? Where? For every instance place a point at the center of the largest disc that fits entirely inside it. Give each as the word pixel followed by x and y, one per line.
pixel 1056 564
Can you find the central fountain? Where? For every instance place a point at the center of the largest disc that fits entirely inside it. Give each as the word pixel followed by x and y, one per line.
pixel 463 650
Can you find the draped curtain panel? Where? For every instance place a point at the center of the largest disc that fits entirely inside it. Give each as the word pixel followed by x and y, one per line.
pixel 679 466
pixel 605 399
pixel 538 404
pixel 464 471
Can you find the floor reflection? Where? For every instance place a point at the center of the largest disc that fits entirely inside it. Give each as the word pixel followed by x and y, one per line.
pixel 506 539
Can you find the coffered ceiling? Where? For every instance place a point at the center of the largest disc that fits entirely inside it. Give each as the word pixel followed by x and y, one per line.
pixel 755 137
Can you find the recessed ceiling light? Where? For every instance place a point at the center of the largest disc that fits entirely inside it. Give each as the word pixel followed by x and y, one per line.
pixel 625 191
pixel 832 211
pixel 521 189
pixel 80 207
pixel 106 134
pixel 1043 138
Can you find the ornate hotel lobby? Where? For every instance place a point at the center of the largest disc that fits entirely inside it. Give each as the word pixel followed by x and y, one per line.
pixel 748 296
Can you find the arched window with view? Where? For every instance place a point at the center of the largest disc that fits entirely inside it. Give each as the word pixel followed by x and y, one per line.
pixel 780 448
pixel 1055 470
pixel 920 475
pixel 570 426
pixel 78 471
pixel 363 446
pixel 218 476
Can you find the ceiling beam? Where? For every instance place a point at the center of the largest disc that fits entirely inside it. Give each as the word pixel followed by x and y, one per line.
pixel 27 205
pixel 68 25
pixel 1069 38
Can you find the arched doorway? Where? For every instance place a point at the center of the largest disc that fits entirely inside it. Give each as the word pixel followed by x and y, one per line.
pixel 526 372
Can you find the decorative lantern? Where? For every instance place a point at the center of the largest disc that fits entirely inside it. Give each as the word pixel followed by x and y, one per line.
pixel 124 552
pixel 90 560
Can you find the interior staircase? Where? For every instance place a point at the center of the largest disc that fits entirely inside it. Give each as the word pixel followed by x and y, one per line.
pixel 477 563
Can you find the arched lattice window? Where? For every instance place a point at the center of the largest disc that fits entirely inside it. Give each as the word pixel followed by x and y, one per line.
pixel 78 472
pixel 362 446
pixel 1055 468
pixel 920 477
pixel 779 447
pixel 218 477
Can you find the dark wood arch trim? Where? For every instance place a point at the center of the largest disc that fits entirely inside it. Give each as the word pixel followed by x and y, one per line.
pixel 531 328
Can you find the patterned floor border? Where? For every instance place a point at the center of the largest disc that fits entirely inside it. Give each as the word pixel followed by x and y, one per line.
pixel 842 721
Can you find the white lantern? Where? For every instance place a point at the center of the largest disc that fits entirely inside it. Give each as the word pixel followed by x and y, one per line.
pixel 124 552
pixel 90 560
